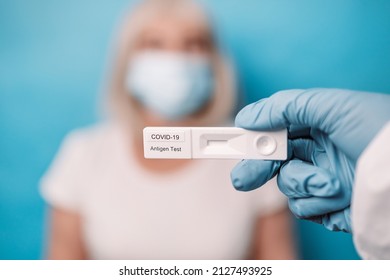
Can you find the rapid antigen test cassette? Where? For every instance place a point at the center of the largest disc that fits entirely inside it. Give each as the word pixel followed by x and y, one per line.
pixel 214 143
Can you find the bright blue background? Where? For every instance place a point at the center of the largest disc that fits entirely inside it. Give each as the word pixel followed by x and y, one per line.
pixel 53 56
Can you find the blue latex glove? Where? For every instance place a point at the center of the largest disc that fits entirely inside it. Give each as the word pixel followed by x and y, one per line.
pixel 328 131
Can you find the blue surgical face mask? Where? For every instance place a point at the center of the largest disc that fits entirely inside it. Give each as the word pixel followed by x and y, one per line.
pixel 173 85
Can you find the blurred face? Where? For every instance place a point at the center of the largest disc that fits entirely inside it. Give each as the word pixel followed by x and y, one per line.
pixel 175 35
pixel 170 73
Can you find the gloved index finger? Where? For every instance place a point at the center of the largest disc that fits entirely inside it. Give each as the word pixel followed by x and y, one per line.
pixel 315 108
pixel 248 175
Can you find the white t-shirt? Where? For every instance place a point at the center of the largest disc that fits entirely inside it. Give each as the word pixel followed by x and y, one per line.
pixel 131 213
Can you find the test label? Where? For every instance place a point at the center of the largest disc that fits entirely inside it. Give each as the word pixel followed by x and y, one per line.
pixel 160 142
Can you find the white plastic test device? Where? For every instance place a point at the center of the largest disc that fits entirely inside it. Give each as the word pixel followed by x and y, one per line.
pixel 214 143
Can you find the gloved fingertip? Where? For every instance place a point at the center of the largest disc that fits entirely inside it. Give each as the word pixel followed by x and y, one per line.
pixel 248 175
pixel 295 208
pixel 238 175
pixel 237 183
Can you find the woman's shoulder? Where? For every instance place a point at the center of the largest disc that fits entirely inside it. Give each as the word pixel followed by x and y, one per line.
pixel 77 161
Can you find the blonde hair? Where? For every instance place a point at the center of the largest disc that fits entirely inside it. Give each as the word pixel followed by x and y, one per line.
pixel 121 103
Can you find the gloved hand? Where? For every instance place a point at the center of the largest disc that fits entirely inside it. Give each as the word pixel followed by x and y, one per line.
pixel 328 131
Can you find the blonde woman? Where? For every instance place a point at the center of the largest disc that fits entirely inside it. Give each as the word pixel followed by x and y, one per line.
pixel 108 202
